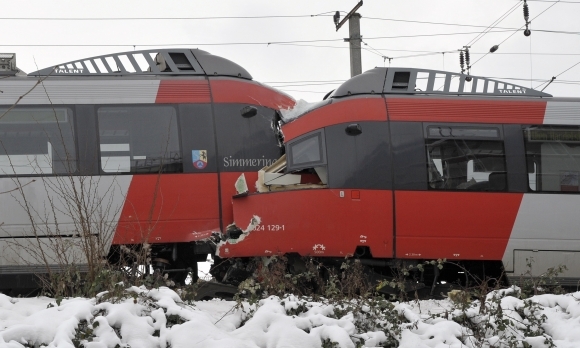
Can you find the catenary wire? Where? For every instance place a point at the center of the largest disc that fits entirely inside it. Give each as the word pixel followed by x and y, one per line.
pixel 549 7
pixel 491 26
pixel 237 43
pixel 563 1
pixel 324 14
pixel 551 80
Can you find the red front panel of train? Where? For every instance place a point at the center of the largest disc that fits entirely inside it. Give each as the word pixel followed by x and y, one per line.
pixel 454 225
pixel 169 208
pixel 317 222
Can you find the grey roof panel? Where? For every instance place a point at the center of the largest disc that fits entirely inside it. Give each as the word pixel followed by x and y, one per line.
pixel 429 82
pixel 369 82
pixel 408 80
pixel 171 61
pixel 215 65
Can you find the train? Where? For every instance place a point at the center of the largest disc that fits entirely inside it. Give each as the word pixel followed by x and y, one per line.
pixel 404 166
pixel 126 149
pixel 396 167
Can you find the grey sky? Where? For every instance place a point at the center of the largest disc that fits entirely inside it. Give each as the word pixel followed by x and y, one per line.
pixel 283 64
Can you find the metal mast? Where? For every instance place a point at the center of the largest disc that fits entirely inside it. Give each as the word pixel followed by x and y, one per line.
pixel 354 39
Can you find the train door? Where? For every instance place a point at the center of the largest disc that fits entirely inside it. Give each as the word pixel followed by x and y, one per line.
pixel 169 152
pixel 452 191
pixel 359 174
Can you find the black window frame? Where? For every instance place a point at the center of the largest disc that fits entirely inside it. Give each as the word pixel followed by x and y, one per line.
pixel 291 167
pixel 98 138
pixel 459 126
pixel 530 160
pixel 72 115
pixel 447 134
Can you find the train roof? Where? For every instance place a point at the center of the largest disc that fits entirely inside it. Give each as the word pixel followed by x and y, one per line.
pixel 429 82
pixel 158 62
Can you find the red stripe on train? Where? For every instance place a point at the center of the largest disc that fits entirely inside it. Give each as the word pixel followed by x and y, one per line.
pixel 183 91
pixel 454 225
pixel 457 110
pixel 168 208
pixel 347 110
pixel 249 92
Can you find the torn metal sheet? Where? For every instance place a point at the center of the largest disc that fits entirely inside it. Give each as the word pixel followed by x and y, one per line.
pixel 203 236
pixel 254 221
pixel 274 178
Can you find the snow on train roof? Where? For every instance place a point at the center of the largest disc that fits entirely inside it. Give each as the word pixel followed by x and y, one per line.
pixel 300 108
pixel 175 61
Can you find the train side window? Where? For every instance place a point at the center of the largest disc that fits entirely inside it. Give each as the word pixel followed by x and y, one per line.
pixel 36 141
pixel 139 139
pixel 465 158
pixel 553 158
pixel 306 151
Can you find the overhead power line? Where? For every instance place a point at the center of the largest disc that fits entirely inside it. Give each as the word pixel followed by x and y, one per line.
pixel 563 2
pixel 238 43
pixel 305 81
pixel 307 84
pixel 492 25
pixel 264 17
pixel 554 77
pixel 549 7
pixel 325 14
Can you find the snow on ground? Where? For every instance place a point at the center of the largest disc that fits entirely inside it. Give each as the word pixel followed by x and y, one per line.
pixel 159 318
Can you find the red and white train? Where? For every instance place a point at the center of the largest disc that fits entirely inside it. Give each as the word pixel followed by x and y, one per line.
pixel 147 145
pixel 413 165
pixel 396 165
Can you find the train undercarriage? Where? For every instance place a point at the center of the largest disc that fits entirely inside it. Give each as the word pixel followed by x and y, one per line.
pixel 410 278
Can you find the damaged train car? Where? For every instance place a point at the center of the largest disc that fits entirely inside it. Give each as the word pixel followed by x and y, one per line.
pixel 401 166
pixel 126 149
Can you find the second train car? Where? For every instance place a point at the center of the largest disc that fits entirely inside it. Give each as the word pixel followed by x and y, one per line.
pixel 409 165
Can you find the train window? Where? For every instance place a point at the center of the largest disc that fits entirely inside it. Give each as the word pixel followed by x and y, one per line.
pixel 306 152
pixel 553 158
pixel 466 164
pixel 139 139
pixel 463 132
pixel 37 141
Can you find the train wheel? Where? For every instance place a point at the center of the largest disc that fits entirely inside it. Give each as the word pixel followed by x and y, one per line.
pixel 176 272
pixel 182 271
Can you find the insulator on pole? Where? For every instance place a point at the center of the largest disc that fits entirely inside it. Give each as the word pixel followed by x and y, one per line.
pixel 493 48
pixel 467 58
pixel 461 61
pixel 527 32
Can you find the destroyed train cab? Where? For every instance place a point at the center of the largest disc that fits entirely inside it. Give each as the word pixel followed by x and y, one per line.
pixel 408 165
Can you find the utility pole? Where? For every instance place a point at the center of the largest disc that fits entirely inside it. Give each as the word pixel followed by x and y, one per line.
pixel 354 38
